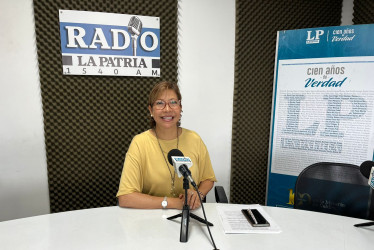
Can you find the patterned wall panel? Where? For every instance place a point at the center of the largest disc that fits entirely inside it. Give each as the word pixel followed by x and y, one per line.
pixel 89 121
pixel 256 32
pixel 363 11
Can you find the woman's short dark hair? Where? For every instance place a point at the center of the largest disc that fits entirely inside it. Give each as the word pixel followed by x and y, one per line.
pixel 155 93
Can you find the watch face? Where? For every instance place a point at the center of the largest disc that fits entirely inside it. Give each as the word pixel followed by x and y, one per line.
pixel 164 203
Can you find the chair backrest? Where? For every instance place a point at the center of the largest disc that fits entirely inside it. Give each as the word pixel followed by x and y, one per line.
pixel 220 194
pixel 335 188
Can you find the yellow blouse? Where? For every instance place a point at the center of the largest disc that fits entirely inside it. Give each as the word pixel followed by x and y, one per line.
pixel 145 170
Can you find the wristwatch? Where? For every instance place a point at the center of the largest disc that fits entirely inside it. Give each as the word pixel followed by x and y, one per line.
pixel 164 203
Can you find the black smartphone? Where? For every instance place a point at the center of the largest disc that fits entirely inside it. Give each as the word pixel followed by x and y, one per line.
pixel 255 218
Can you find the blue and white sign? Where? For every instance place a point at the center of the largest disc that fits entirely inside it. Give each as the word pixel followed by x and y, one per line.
pixel 323 99
pixel 96 43
pixel 178 161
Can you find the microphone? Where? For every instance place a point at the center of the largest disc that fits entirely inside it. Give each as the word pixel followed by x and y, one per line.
pixel 367 170
pixel 181 164
pixel 134 27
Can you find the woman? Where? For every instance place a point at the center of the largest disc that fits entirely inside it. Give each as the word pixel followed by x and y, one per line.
pixel 148 180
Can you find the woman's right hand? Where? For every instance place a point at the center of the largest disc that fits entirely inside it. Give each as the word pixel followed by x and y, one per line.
pixel 192 199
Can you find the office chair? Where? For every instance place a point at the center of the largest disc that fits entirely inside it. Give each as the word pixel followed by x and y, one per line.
pixel 334 188
pixel 220 194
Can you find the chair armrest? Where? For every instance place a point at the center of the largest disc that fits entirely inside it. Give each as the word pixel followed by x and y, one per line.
pixel 220 194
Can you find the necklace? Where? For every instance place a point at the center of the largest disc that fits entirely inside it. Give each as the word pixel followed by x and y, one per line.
pixel 172 177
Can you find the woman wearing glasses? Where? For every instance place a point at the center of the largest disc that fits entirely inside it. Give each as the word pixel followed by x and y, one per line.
pixel 148 180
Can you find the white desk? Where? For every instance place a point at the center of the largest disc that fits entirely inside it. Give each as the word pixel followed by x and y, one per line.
pixel 120 228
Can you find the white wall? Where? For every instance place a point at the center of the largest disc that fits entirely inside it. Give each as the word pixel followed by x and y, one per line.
pixel 347 12
pixel 23 168
pixel 206 76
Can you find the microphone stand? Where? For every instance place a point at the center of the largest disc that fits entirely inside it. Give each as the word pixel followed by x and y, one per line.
pixel 186 214
pixel 366 224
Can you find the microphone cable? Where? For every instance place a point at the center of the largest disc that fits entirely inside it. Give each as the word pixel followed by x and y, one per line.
pixel 206 220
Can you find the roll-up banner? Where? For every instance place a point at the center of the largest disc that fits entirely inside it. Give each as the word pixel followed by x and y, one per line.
pixel 322 107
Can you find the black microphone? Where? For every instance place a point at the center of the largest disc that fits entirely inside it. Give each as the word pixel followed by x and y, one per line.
pixel 365 168
pixel 174 152
pixel 135 28
pixel 180 168
pixel 177 159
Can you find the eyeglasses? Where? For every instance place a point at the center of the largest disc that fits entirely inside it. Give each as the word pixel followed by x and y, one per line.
pixel 161 104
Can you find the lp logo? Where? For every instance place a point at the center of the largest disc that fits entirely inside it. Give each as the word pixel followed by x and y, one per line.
pixel 314 38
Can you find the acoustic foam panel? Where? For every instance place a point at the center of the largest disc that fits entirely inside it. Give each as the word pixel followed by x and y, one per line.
pixel 257 23
pixel 363 11
pixel 89 121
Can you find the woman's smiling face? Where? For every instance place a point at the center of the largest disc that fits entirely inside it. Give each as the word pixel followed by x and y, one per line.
pixel 168 116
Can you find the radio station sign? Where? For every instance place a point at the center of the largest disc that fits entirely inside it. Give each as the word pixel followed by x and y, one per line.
pixel 96 43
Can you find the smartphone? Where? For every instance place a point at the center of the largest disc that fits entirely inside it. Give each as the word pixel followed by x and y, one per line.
pixel 255 218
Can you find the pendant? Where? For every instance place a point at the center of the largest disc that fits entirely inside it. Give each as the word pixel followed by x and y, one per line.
pixel 172 191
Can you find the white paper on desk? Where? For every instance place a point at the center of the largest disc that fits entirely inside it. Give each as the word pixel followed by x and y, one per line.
pixel 234 221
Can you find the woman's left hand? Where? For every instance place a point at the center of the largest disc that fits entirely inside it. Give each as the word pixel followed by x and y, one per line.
pixel 192 199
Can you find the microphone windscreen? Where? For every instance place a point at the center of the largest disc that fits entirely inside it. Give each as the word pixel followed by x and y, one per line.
pixel 365 168
pixel 174 152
